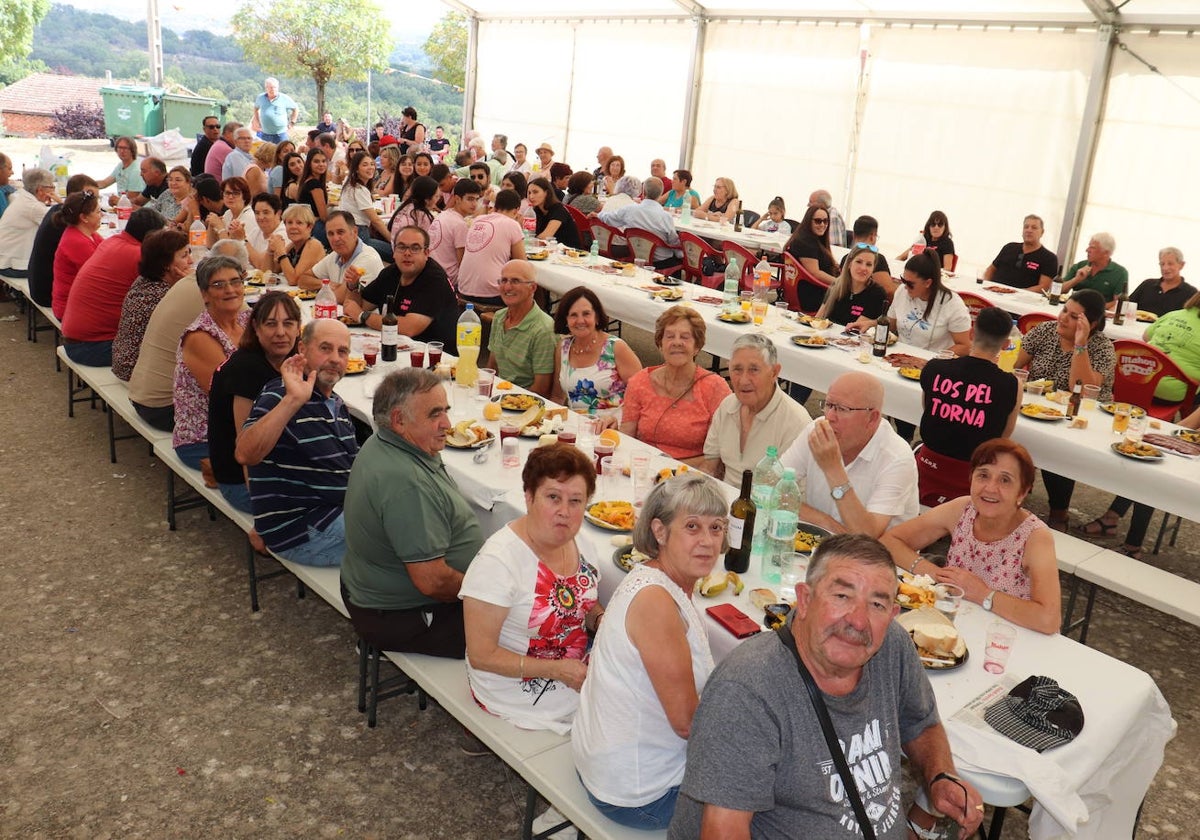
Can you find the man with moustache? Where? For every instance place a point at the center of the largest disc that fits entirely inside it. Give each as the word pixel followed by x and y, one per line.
pixel 299 446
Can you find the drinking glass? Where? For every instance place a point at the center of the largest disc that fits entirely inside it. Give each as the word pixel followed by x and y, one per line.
pixel 507 431
pixel 1120 418
pixel 484 383
pixel 865 349
pixel 1091 393
pixel 759 309
pixel 998 646
pixel 949 599
pixel 602 451
pixel 639 471
pixel 1136 428
pixel 510 451
pixel 1022 379
pixel 370 351
pixel 416 356
pixel 639 264
pixel 435 353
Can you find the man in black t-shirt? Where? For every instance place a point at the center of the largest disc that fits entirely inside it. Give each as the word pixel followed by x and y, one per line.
pixel 866 231
pixel 1168 292
pixel 1025 264
pixel 212 131
pixel 426 306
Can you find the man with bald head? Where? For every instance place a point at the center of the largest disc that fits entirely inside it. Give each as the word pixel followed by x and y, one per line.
pixel 858 474
pixel 298 445
pixel 602 156
pixel 658 169
pixel 521 346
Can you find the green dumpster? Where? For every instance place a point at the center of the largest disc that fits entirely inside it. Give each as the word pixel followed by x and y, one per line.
pixel 187 113
pixel 132 110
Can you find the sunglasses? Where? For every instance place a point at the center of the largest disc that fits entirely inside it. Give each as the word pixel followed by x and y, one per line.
pixel 866 246
pixel 817 221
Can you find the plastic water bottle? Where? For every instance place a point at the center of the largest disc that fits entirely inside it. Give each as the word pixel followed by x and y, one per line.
pixel 685 212
pixel 325 306
pixel 594 253
pixel 1008 356
pixel 730 299
pixel 918 246
pixel 198 240
pixel 124 211
pixel 767 474
pixel 781 547
pixel 786 498
pixel 469 333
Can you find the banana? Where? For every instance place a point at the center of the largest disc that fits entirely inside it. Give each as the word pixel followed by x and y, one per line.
pixel 718 581
pixel 531 417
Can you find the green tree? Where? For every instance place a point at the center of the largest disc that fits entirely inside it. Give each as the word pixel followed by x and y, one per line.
pixel 18 19
pixel 329 39
pixel 446 47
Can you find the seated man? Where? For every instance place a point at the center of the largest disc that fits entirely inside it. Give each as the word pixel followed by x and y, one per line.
pixel 967 400
pixel 1158 295
pixel 154 176
pixel 756 716
pixel 423 302
pixel 858 474
pixel 522 342
pixel 866 231
pixel 448 233
pixel 410 533
pixel 646 213
pixel 299 446
pixel 1098 271
pixel 346 250
pixel 1025 264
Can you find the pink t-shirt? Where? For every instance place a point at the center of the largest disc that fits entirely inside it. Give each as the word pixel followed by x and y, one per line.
pixel 447 234
pixel 488 248
pixel 677 427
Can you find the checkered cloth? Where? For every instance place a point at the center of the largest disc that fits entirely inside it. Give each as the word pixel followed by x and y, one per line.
pixel 1037 714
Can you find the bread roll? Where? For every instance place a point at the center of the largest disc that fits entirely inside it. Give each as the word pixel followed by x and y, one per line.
pixel 760 597
pixel 936 638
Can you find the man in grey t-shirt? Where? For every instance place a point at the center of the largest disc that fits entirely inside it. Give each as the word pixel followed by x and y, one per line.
pixel 758 765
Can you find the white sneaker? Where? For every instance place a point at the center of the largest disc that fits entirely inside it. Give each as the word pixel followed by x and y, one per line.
pixel 550 818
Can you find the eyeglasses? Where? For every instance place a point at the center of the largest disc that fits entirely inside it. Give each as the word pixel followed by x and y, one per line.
pixel 836 408
pixel 409 249
pixel 866 246
pixel 211 125
pixel 817 221
pixel 231 192
pixel 221 285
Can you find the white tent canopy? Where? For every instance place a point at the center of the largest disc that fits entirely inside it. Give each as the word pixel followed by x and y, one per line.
pixel 988 110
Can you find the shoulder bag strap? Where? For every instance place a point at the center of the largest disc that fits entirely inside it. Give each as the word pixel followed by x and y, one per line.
pixel 831 739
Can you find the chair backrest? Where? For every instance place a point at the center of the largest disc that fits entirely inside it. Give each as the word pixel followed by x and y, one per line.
pixel 603 234
pixel 643 242
pixel 749 217
pixel 975 304
pixel 584 225
pixel 953 263
pixel 695 250
pixel 745 261
pixel 1031 319
pixel 1139 368
pixel 793 275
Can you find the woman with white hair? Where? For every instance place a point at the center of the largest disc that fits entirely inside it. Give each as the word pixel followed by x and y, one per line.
pixel 626 190
pixel 756 415
pixel 20 221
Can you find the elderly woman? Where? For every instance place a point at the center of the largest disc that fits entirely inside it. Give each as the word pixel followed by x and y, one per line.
pixel 1000 554
pixel 592 368
pixel 530 599
pixel 127 174
pixel 722 204
pixel 936 234
pixel 553 220
pixel 205 345
pixel 651 659
pixel 238 216
pixel 560 176
pixel 580 188
pixel 272 337
pixel 855 294
pixel 80 220
pixel 626 191
pixel 176 203
pixel 681 191
pixel 20 221
pixel 670 405
pixel 1065 350
pixel 756 415
pixel 924 313
pixel 357 200
pixel 614 170
pixel 296 255
pixel 809 244
pixel 166 259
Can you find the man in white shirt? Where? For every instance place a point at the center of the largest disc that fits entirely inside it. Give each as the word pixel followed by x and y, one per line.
pixel 648 214
pixel 239 157
pixel 448 233
pixel 859 476
pixel 348 252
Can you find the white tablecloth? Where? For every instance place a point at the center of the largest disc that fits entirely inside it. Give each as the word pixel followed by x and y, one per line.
pixel 755 240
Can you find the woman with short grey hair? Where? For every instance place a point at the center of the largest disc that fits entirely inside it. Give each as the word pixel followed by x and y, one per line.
pixel 21 219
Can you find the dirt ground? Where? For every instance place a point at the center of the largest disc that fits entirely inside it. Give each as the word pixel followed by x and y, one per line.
pixel 142 698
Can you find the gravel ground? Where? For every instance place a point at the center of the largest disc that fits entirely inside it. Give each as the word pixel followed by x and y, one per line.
pixel 144 699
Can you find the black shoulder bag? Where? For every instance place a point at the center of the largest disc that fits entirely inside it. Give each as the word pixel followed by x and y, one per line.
pixel 835 749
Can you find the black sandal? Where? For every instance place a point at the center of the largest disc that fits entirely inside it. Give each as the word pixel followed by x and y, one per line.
pixel 1098 528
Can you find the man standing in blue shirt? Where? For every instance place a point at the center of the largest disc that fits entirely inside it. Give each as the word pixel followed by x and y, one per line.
pixel 274 113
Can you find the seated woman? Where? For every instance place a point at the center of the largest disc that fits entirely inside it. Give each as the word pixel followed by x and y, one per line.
pixel 357 201
pixel 257 174
pixel 614 171
pixel 809 244
pixel 560 176
pixel 772 221
pixel 80 220
pixel 416 210
pixel 580 189
pixel 553 220
pixel 681 191
pixel 238 216
pixel 592 368
pixel 177 204
pixel 313 190
pixel 296 254
pixel 289 186
pixel 670 405
pixel 855 294
pixel 936 234
pixel 127 174
pixel 389 181
pixel 722 204
pixel 1000 554
pixel 756 415
pixel 651 659
pixel 924 313
pixel 206 344
pixel 517 182
pixel 272 337
pixel 275 173
pixel 530 599
pixel 1067 349
pixel 422 164
pixel 166 259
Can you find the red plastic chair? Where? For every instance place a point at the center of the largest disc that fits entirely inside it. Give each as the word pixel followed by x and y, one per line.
pixel 643 243
pixel 695 250
pixel 975 304
pixel 1031 319
pixel 583 224
pixel 612 243
pixel 744 259
pixel 793 275
pixel 1140 367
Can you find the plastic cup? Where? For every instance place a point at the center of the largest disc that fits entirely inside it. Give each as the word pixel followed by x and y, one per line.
pixel 944 355
pixel 865 348
pixel 1120 421
pixel 416 356
pixel 949 600
pixel 566 437
pixel 1136 428
pixel 370 351
pixel 1091 394
pixel 510 452
pixel 602 451
pixel 792 571
pixel 509 431
pixel 484 382
pixel 998 646
pixel 639 264
pixel 435 353
pixel 759 309
pixel 1022 380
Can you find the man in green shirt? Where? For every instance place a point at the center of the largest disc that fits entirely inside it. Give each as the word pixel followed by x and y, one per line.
pixel 522 342
pixel 410 533
pixel 1098 271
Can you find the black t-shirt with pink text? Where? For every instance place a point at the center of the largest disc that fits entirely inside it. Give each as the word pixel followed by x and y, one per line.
pixel 967 401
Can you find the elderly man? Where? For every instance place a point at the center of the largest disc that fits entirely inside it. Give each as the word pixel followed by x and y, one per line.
pixel 448 233
pixel 837 225
pixel 603 155
pixel 154 176
pixel 1025 264
pixel 756 717
pixel 215 161
pixel 347 251
pixel 212 133
pixel 19 224
pixel 274 113
pixel 1098 271
pixel 239 157
pixel 268 222
pixel 545 156
pixel 410 533
pixel 658 169
pixel 865 234
pixel 522 342
pixel 648 214
pixel 756 415
pixel 417 292
pixel 1160 296
pixel 298 444
pixel 858 474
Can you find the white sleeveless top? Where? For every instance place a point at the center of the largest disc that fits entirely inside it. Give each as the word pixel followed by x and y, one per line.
pixel 624 747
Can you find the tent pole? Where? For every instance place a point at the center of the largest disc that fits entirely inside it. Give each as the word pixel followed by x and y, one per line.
pixel 570 93
pixel 860 104
pixel 691 108
pixel 1085 149
pixel 468 112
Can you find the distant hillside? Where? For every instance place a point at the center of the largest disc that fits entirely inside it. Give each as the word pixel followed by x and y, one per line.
pixel 73 41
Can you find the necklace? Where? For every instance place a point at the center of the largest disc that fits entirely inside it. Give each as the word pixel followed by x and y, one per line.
pixel 576 347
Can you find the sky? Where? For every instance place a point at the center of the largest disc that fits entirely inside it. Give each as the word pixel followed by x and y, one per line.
pixel 410 20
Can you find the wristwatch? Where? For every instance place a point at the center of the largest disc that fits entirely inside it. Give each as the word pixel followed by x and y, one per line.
pixel 987 602
pixel 363 317
pixel 840 491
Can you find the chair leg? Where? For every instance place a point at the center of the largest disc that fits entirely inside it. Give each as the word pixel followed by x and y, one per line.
pixel 373 699
pixel 997 826
pixel 362 675
pixel 250 567
pixel 1087 614
pixel 70 392
pixel 112 438
pixel 170 496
